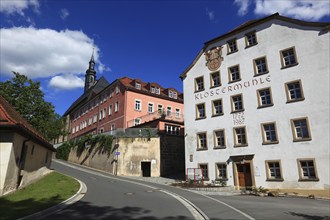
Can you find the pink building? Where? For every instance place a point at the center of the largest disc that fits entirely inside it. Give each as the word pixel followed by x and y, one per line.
pixel 124 103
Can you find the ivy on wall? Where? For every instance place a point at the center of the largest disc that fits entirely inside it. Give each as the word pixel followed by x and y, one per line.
pixel 99 143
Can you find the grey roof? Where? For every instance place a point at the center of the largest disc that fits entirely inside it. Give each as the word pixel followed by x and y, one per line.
pixel 98 87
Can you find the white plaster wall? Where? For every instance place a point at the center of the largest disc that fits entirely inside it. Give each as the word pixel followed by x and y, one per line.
pixel 312 52
pixel 5 151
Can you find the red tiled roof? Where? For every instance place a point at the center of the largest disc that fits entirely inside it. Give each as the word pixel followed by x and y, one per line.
pixel 130 83
pixel 10 117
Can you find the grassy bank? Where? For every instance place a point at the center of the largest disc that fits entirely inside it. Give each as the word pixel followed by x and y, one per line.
pixel 46 192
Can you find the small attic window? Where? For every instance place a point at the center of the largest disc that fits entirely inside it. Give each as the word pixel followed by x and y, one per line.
pixel 152 89
pixel 157 90
pixel 172 94
pixel 137 85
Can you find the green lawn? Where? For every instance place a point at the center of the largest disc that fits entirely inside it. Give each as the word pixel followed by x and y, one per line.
pixel 46 192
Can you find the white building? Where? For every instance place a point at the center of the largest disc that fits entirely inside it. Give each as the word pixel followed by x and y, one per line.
pixel 257 106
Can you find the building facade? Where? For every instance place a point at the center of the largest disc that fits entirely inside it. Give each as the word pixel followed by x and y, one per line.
pixel 24 154
pixel 122 104
pixel 257 106
pixel 125 109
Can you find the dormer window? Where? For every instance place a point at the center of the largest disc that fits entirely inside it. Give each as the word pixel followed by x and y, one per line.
pixel 157 90
pixel 152 89
pixel 172 94
pixel 137 85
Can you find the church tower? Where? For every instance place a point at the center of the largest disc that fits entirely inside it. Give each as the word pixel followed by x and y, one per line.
pixel 90 76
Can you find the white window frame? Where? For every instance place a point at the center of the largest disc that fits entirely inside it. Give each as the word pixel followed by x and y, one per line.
pixel 138 105
pixel 150 107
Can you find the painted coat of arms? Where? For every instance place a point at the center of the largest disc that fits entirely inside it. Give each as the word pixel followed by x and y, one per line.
pixel 213 58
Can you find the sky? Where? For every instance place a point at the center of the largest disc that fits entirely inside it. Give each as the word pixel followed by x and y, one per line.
pixel 52 41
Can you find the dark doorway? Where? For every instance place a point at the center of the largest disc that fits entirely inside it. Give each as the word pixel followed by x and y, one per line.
pixel 146 169
pixel 244 175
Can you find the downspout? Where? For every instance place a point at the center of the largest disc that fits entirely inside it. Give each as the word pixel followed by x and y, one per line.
pixel 22 161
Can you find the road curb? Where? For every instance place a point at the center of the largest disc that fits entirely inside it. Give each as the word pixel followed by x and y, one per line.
pixel 73 199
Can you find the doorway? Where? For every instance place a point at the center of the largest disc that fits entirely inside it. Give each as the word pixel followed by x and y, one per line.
pixel 244 175
pixel 146 169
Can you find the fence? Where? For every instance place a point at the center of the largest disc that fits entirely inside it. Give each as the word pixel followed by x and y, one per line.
pixel 134 132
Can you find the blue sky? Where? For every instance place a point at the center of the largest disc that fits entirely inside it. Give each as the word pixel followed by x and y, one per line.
pixel 51 41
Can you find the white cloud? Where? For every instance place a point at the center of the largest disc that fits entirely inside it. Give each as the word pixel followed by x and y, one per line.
pixel 210 14
pixel 44 53
pixel 12 7
pixel 64 13
pixel 300 9
pixel 67 82
pixel 312 10
pixel 243 6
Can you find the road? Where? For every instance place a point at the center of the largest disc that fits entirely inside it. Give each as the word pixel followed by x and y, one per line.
pixel 113 197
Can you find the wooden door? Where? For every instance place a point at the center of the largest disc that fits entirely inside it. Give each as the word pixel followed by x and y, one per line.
pixel 244 175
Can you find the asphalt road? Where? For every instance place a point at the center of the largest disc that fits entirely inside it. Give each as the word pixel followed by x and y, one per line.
pixel 113 197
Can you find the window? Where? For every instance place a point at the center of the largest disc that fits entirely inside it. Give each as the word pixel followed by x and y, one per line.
pixel 264 98
pixel 200 111
pixel 152 89
pixel 172 129
pixel 177 113
pixel 110 109
pixel 221 171
pixel 137 121
pixel 157 90
pixel 73 130
pixel 160 109
pixel 288 57
pixel 215 79
pixel 260 66
pixel 90 121
pixel 273 170
pixel 269 134
pixel 199 84
pixel 117 89
pixel 234 74
pixel 138 105
pixel 237 103
pixel 201 141
pixel 150 107
pixel 101 115
pixel 250 39
pixel 231 46
pixel 172 94
pixel 219 139
pixel 205 170
pixel 138 85
pixel 169 111
pixel 117 106
pixel 307 170
pixel 104 112
pixel 240 139
pixel 217 107
pixel 113 127
pixel 111 93
pixel 294 91
pixel 300 129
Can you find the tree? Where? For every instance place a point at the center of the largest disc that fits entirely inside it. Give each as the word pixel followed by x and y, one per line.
pixel 27 98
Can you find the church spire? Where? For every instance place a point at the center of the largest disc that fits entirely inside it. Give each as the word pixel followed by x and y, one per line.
pixel 90 76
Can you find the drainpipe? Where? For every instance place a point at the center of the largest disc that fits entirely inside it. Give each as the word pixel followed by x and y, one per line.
pixel 22 162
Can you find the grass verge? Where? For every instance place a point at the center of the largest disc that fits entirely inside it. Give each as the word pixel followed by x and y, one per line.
pixel 46 192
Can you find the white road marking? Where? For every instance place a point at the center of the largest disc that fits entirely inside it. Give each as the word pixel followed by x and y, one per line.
pixel 192 208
